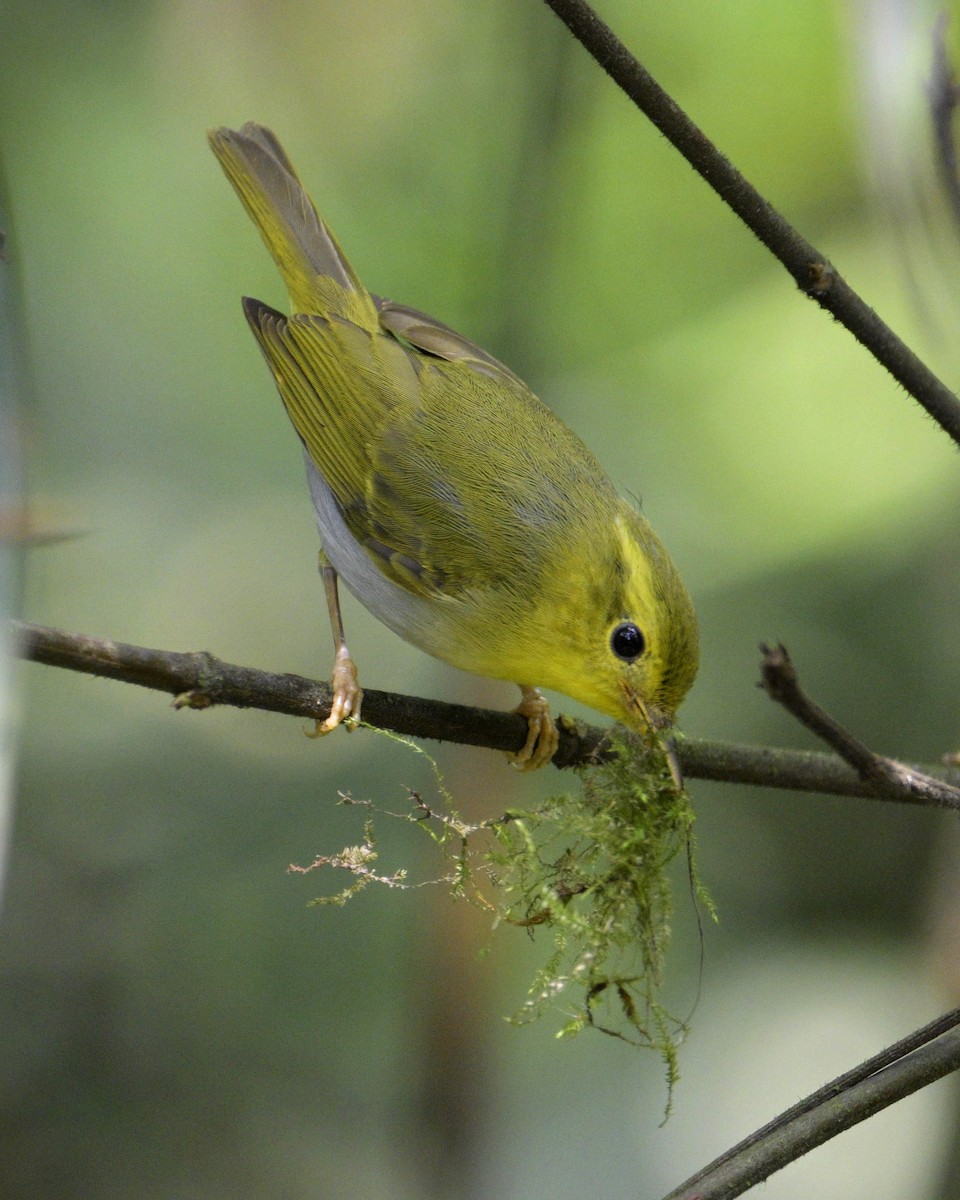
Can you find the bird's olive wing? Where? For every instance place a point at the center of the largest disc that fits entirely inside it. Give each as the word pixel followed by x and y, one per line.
pixel 439 340
pixel 449 472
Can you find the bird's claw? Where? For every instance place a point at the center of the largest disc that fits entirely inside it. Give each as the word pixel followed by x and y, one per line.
pixel 347 696
pixel 542 735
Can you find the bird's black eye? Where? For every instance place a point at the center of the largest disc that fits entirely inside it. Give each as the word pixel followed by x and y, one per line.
pixel 627 642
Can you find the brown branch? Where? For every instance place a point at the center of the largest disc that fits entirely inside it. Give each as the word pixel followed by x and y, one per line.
pixel 199 680
pixel 779 680
pixel 810 269
pixel 894 1073
pixel 799 771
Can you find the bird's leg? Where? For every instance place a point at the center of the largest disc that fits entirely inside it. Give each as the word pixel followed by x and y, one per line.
pixel 542 736
pixel 347 693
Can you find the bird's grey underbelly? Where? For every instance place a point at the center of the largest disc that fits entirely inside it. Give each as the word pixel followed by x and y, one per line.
pixel 413 618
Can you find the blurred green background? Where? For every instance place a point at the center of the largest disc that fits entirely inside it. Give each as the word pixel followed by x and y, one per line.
pixel 174 1020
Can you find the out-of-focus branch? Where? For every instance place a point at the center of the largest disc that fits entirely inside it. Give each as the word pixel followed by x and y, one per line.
pixel 199 680
pixel 810 269
pixel 901 1069
pixel 944 95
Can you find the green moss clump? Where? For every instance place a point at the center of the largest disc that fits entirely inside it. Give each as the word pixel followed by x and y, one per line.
pixel 592 869
pixel 589 870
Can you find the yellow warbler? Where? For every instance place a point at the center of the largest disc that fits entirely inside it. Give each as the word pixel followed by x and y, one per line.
pixel 453 504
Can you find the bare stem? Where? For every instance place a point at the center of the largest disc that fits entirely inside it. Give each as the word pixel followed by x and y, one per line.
pixel 901 1069
pixel 810 269
pixel 199 680
pixel 779 680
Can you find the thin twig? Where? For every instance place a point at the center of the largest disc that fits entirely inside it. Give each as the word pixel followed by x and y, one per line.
pixel 199 680
pixel 901 1069
pixel 779 680
pixel 811 271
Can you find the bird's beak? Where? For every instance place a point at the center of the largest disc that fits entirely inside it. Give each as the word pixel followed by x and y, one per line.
pixel 673 762
pixel 659 724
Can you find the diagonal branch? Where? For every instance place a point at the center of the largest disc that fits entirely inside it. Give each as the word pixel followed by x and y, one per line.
pixel 810 269
pixel 199 680
pixel 894 1073
pixel 779 680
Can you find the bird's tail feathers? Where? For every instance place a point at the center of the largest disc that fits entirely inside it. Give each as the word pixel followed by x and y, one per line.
pixel 296 236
